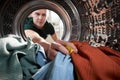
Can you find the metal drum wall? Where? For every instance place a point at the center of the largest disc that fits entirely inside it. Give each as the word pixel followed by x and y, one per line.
pixel 100 21
pixel 95 21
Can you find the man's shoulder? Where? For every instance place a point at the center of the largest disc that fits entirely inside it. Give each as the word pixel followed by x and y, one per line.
pixel 48 25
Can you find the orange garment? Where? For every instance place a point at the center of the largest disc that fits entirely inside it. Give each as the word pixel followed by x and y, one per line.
pixel 93 63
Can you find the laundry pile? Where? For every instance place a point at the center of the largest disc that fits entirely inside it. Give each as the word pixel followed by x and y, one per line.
pixel 96 63
pixel 25 60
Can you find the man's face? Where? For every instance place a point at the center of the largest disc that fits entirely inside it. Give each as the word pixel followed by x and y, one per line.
pixel 39 17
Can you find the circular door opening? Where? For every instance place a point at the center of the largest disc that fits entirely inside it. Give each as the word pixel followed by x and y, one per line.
pixel 35 5
pixel 14 12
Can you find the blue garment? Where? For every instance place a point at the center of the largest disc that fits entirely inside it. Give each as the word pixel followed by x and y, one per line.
pixel 41 56
pixel 61 68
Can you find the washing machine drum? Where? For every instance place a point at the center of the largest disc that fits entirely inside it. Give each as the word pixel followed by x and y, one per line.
pixel 14 13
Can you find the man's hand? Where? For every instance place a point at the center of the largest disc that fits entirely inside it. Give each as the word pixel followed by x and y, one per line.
pixel 67 43
pixel 60 46
pixel 55 47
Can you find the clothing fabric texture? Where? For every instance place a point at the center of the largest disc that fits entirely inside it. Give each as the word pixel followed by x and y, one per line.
pixel 10 67
pixel 96 63
pixel 47 29
pixel 61 68
pixel 41 57
pixel 18 58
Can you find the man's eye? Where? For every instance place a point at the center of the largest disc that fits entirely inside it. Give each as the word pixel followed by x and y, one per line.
pixel 37 14
pixel 43 14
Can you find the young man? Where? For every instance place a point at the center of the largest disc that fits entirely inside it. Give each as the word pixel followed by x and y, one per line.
pixel 36 30
pixel 38 23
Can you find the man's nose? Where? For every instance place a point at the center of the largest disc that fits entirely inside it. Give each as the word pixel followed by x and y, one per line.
pixel 40 17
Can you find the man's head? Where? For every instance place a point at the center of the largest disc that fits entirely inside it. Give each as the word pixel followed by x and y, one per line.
pixel 39 17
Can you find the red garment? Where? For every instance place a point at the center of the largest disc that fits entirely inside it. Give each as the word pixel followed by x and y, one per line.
pixel 93 63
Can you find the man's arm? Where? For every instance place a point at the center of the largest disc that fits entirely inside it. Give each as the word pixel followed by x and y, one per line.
pixel 37 39
pixel 50 48
pixel 54 37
